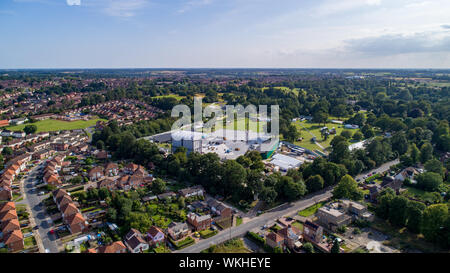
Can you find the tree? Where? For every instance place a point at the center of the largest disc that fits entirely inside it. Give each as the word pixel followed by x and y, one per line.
pixel 320 117
pixel 314 183
pixel 415 153
pixel 347 188
pixel 292 133
pixel 308 247
pixel 397 211
pixel 335 248
pixel 358 136
pixel 434 165
pixel 426 152
pixel 434 218
pixel 429 181
pixel 181 202
pixel 347 134
pixel 158 186
pixel 100 145
pixel 368 131
pixel 399 143
pixel 268 195
pixel 414 214
pixel 30 129
pixel 7 151
pixel 384 202
pixel 340 152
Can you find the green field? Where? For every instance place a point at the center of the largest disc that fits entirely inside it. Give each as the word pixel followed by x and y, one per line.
pixel 283 88
pixel 311 210
pixel 233 246
pixel 178 97
pixel 314 128
pixel 57 125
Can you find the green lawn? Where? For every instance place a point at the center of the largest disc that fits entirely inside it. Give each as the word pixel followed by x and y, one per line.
pixel 178 97
pixel 232 246
pixel 238 221
pixel 420 194
pixel 284 88
pixel 314 128
pixel 29 242
pixel 298 225
pixel 57 125
pixel 207 233
pixel 311 210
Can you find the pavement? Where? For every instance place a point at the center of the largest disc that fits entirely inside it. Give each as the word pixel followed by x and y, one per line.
pixel 46 241
pixel 288 209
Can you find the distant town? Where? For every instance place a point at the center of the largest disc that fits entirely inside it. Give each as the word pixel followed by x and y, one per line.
pixel 90 163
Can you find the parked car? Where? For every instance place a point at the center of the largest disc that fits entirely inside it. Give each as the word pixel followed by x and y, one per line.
pixel 41 193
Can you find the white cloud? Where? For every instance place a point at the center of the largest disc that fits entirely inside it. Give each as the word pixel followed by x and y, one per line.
pixel 73 2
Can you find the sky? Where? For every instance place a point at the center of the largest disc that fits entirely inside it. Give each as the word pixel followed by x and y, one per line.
pixel 224 34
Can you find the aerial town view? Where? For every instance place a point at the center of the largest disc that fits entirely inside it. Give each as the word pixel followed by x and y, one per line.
pixel 103 151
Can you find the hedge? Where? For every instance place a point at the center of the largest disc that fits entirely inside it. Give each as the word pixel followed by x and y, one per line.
pixel 185 243
pixel 207 233
pixel 255 237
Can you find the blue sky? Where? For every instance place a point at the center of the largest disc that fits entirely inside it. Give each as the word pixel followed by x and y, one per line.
pixel 224 33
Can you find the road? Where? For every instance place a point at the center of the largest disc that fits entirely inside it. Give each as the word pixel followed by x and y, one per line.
pixel 271 216
pixel 40 216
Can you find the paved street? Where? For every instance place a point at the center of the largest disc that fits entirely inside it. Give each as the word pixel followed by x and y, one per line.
pixel 41 219
pixel 271 216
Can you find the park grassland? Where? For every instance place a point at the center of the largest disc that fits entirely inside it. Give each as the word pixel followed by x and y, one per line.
pixel 314 128
pixel 50 125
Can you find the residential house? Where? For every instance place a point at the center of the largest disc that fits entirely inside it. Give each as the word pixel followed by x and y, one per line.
pixel 111 169
pixel 192 191
pixel 14 240
pixel 130 168
pixel 177 230
pixel 76 223
pixel 7 206
pixel 274 240
pixel 116 247
pixel 199 222
pixel 8 215
pixel 108 183
pixel 135 241
pixel 333 217
pixel 291 236
pixel 96 173
pixel 312 232
pixel 9 226
pixel 5 193
pixel 155 236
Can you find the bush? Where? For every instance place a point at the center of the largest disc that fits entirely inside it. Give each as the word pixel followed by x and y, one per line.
pixel 185 243
pixel 356 231
pixel 341 229
pixel 308 247
pixel 255 237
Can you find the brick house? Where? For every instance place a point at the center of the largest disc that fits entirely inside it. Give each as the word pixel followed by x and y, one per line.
pixel 199 222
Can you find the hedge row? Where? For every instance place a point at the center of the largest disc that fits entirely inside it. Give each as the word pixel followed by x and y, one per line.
pixel 185 243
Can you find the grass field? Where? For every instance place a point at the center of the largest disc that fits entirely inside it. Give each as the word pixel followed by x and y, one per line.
pixel 232 246
pixel 178 97
pixel 283 88
pixel 314 128
pixel 57 125
pixel 311 210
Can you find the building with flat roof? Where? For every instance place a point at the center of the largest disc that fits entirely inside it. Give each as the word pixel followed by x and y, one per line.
pixel 284 162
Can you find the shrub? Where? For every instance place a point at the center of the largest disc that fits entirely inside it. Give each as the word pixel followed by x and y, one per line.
pixel 255 237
